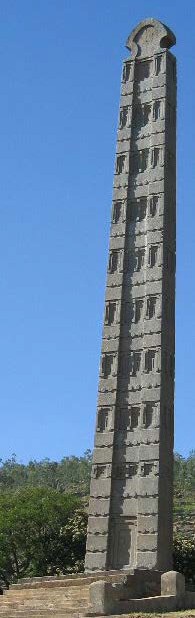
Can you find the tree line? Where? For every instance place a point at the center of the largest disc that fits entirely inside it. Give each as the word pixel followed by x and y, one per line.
pixel 43 516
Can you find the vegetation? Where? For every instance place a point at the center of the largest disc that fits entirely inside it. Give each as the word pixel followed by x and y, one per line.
pixel 43 518
pixel 70 475
pixel 184 557
pixel 42 532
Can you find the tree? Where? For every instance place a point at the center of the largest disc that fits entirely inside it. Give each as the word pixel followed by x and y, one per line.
pixel 41 532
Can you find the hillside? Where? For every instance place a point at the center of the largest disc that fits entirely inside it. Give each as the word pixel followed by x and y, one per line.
pixel 72 475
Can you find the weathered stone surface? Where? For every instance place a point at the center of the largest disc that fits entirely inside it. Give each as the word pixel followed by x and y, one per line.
pixel 173 583
pixel 132 463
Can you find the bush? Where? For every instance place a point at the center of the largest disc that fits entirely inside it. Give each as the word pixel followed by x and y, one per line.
pixel 184 557
pixel 41 532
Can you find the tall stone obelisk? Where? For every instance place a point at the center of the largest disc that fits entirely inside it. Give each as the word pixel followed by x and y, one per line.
pixel 130 510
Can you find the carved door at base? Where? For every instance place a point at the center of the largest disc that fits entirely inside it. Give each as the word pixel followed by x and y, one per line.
pixel 123 541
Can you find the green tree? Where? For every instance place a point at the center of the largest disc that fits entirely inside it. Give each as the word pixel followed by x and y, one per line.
pixel 41 532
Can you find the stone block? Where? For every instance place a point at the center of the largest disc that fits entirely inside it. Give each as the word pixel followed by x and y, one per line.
pixel 98 525
pixel 111 332
pixel 173 583
pixel 149 452
pixel 147 506
pixel 104 438
pixel 148 486
pixel 100 488
pixel 97 542
pixel 110 345
pixel 95 561
pixel 146 560
pixel 103 597
pixel 107 398
pixel 113 293
pixel 127 507
pixel 102 455
pixel 147 542
pixel 117 243
pixel 99 507
pixel 147 523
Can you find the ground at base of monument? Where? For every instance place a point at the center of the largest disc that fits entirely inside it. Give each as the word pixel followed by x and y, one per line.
pixel 178 614
pixel 107 599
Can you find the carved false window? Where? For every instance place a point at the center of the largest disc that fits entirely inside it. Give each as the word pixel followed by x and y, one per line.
pixel 104 417
pixel 151 307
pixel 134 163
pixel 117 209
pixel 146 112
pixel 139 259
pixel 142 70
pixel 141 115
pixel 147 469
pixel 148 415
pixel 119 471
pixel 124 114
pixel 136 363
pixel 137 118
pixel 142 206
pixel 153 253
pixel 150 361
pixel 124 364
pixel 122 419
pixel 107 365
pixel 143 159
pixel 132 211
pixel 158 65
pixel 157 157
pixel 134 418
pixel 127 262
pixel 99 471
pixel 153 204
pixel 157 110
pixel 114 261
pixel 120 164
pixel 110 313
pixel 127 313
pixel 137 210
pixel 131 470
pixel 138 309
pixel 126 71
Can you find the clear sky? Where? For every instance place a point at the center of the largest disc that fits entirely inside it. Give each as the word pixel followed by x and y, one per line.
pixel 60 67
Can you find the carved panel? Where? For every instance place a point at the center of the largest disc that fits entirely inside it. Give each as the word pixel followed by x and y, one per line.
pixel 143 70
pixel 124 117
pixel 105 419
pixel 153 205
pixel 108 364
pixel 117 211
pixel 121 164
pixel 110 312
pixel 114 261
pixel 150 360
pixel 123 539
pixel 153 255
pixel 148 415
pixel 138 309
pixel 127 71
pixel 151 307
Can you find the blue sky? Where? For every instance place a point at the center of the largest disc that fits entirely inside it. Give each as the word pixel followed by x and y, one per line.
pixel 60 67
